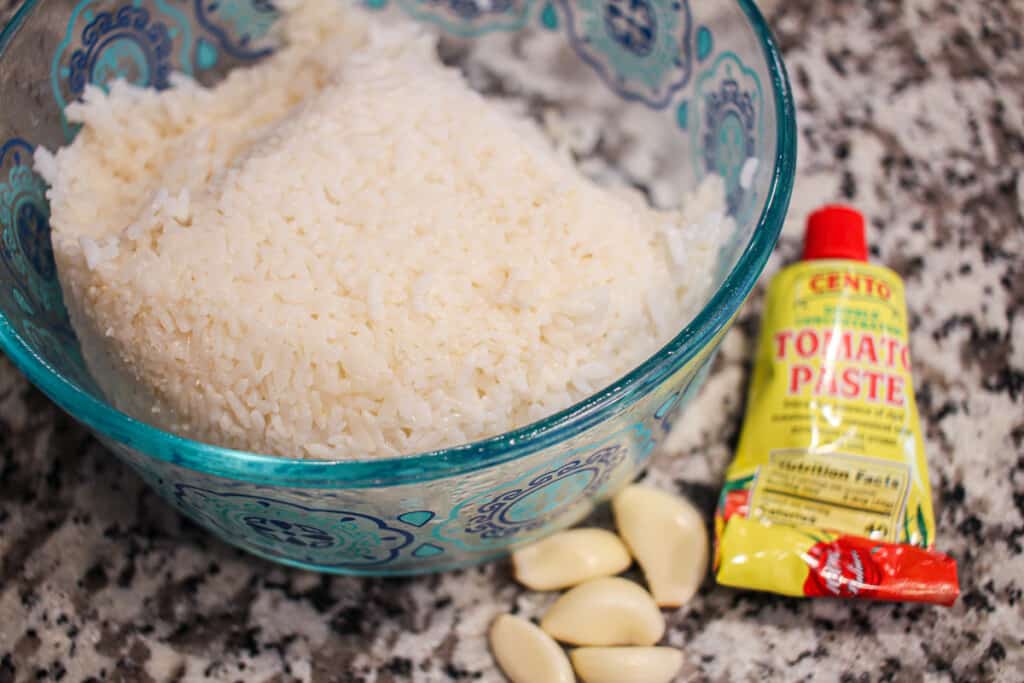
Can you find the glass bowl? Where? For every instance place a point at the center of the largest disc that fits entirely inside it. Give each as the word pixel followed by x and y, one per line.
pixel 706 76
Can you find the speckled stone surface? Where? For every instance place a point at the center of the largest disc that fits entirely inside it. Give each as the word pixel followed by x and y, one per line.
pixel 914 111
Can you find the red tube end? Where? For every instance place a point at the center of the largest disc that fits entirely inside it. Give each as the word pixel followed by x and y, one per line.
pixel 835 232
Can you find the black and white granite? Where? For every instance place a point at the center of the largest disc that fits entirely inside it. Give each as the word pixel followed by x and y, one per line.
pixel 913 111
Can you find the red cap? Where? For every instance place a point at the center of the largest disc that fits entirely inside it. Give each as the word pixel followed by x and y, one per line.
pixel 835 231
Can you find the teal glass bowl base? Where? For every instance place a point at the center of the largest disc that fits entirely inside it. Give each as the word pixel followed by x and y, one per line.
pixel 437 525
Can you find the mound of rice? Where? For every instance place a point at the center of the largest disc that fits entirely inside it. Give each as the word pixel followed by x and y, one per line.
pixel 345 251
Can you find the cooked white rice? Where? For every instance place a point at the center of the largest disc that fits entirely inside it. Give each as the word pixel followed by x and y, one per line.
pixel 345 251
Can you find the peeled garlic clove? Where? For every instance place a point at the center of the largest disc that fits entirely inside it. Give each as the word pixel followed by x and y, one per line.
pixel 626 664
pixel 526 654
pixel 606 611
pixel 667 537
pixel 569 558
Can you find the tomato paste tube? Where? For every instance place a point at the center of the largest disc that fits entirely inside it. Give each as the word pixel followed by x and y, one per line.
pixel 828 494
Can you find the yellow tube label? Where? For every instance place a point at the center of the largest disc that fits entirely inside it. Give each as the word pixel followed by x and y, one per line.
pixel 830 469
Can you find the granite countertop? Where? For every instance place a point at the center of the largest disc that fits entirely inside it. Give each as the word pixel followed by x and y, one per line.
pixel 914 112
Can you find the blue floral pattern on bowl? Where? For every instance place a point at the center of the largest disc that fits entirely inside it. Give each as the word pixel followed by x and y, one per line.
pixel 641 48
pixel 521 510
pixel 135 42
pixel 238 25
pixel 729 127
pixel 326 537
pixel 515 511
pixel 38 312
pixel 25 216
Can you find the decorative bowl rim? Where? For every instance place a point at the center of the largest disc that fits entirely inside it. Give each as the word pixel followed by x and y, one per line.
pixel 272 470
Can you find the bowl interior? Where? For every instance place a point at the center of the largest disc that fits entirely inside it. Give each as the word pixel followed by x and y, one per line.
pixel 675 89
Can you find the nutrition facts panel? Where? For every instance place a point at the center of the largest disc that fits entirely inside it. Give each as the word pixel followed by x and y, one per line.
pixel 836 491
